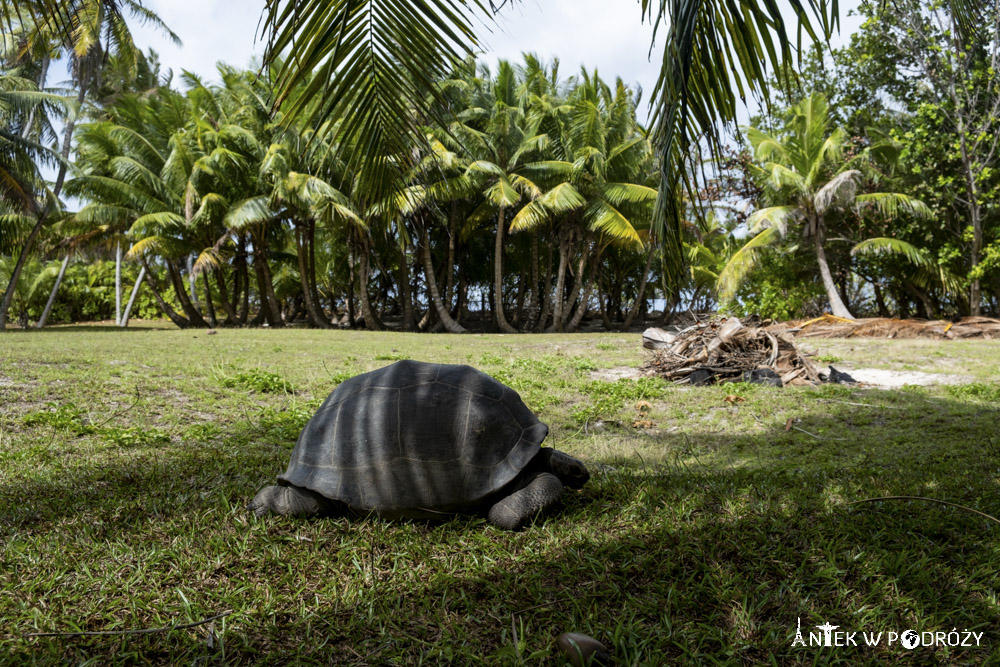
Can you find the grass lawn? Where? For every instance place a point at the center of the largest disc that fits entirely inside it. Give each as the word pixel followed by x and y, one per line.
pixel 127 458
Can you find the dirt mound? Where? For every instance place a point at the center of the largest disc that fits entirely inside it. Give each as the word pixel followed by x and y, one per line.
pixel 829 326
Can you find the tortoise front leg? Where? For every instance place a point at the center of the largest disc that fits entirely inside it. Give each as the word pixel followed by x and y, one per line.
pixel 541 491
pixel 290 500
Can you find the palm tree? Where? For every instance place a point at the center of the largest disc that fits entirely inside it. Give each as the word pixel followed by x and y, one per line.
pixel 24 198
pixel 87 31
pixel 805 185
pixel 600 194
pixel 381 56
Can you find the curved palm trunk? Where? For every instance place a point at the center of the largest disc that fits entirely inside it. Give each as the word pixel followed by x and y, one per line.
pixel 641 296
pixel 131 300
pixel 167 309
pixel 193 314
pixel 832 294
pixel 309 293
pixel 268 301
pixel 209 305
pixel 577 289
pixel 52 295
pixel 584 302
pixel 498 277
pixel 446 319
pixel 220 281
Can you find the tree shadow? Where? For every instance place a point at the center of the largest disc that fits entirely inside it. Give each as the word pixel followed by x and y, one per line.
pixel 686 561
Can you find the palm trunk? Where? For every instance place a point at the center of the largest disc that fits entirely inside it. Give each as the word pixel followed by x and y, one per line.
pixel 372 323
pixel 836 305
pixel 244 278
pixel 449 288
pixel 220 281
pixel 883 311
pixel 446 319
pixel 193 282
pixel 118 283
pixel 52 295
pixel 209 305
pixel 42 215
pixel 177 319
pixel 522 287
pixel 311 266
pixel 81 96
pixel 131 300
pixel 193 314
pixel 584 301
pixel 498 313
pixel 577 288
pixel 268 301
pixel 534 303
pixel 403 292
pixel 351 310
pixel 557 298
pixel 641 296
pixel 545 292
pixel 42 76
pixel 316 317
pixel 602 302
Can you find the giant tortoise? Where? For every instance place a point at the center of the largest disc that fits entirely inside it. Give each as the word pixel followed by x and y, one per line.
pixel 420 440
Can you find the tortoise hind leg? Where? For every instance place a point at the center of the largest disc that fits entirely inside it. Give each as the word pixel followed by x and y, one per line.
pixel 539 493
pixel 290 500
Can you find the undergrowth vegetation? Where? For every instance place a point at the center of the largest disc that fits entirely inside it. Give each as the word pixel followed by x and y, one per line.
pixel 716 517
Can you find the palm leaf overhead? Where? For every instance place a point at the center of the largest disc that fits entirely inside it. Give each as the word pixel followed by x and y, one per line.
pixel 375 61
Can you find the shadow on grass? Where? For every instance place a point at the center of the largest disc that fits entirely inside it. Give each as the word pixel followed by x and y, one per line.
pixel 688 561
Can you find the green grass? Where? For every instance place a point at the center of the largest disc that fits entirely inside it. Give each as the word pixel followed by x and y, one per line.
pixel 126 463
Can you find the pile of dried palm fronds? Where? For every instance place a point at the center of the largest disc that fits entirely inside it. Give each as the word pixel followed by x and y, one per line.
pixel 829 326
pixel 724 350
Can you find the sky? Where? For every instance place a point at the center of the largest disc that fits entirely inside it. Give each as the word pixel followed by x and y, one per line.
pixel 608 35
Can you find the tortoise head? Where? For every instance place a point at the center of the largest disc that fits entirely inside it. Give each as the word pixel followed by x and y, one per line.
pixel 568 469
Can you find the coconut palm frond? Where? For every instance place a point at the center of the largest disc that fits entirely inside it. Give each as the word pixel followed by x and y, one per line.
pixel 370 62
pixel 742 262
pixel 838 191
pixel 208 259
pixel 632 193
pixel 252 211
pixel 893 204
pixel 605 218
pixel 532 215
pixel 776 217
pixel 890 246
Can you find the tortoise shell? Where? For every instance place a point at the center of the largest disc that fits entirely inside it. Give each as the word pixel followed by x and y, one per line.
pixel 416 436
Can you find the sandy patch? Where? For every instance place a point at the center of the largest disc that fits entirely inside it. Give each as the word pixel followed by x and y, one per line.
pixel 616 373
pixel 880 377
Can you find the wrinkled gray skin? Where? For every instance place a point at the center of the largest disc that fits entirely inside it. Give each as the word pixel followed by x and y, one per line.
pixel 536 489
pixel 417 440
